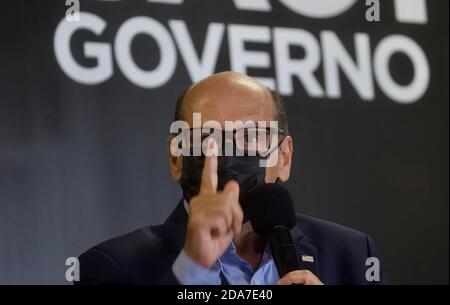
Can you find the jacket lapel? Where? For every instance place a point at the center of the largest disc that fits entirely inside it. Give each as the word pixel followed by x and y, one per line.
pixel 175 228
pixel 307 253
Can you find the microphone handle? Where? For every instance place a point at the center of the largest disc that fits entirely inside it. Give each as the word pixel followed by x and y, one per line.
pixel 283 249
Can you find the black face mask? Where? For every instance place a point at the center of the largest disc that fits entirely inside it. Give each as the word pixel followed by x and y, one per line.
pixel 245 170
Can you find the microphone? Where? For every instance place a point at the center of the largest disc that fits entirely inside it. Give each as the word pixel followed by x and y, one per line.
pixel 271 212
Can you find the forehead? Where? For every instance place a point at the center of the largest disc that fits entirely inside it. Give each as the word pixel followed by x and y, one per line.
pixel 229 100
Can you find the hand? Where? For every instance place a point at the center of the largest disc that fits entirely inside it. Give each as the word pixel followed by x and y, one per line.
pixel 214 217
pixel 299 277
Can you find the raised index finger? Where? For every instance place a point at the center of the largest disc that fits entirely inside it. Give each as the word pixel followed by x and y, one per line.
pixel 209 174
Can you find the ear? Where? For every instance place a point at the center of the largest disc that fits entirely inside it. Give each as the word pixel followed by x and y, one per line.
pixel 285 159
pixel 175 162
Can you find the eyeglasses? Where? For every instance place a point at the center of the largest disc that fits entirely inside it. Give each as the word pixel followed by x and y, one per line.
pixel 243 141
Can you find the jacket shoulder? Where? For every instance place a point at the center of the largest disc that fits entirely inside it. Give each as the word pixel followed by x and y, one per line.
pixel 129 258
pixel 315 227
pixel 138 242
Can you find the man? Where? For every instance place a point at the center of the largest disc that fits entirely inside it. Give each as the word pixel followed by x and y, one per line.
pixel 205 240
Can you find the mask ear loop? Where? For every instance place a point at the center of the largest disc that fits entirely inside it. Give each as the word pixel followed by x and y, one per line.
pixel 265 158
pixel 278 146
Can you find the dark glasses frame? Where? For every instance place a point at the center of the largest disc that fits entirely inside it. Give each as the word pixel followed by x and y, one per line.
pixel 271 130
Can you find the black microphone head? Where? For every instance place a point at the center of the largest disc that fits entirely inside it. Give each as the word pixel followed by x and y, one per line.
pixel 268 205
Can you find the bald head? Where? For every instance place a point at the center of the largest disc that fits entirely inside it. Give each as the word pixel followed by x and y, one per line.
pixel 230 96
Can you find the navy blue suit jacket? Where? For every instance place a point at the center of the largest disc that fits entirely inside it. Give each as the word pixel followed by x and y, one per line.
pixel 145 256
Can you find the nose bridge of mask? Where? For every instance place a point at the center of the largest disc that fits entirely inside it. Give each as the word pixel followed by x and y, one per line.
pixel 244 170
pixel 237 164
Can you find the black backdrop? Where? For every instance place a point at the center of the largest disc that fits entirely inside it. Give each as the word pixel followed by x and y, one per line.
pixel 83 162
